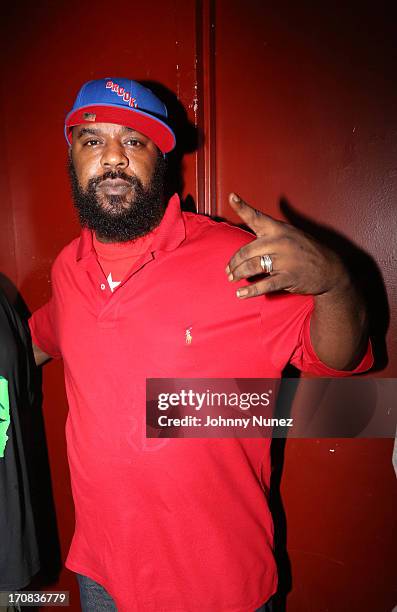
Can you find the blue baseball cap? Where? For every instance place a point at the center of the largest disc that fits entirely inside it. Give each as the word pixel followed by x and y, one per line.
pixel 125 102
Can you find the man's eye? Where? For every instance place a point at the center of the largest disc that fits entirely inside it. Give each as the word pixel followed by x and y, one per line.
pixel 91 143
pixel 133 142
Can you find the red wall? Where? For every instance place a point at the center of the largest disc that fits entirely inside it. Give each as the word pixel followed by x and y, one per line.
pixel 297 104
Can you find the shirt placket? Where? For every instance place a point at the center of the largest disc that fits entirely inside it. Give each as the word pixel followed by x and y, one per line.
pixel 108 301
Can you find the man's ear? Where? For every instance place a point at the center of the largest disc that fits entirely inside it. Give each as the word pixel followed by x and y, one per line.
pixel 72 133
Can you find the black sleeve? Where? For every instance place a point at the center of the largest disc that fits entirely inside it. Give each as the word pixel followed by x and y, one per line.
pixel 18 550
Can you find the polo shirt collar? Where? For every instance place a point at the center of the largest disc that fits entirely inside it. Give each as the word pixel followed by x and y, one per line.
pixel 170 234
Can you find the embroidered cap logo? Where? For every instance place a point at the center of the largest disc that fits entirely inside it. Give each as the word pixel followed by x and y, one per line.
pixel 89 116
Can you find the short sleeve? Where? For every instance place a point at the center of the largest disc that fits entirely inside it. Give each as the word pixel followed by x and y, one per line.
pixel 43 329
pixel 305 358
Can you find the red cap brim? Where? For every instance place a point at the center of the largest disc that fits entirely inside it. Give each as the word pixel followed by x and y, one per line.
pixel 152 127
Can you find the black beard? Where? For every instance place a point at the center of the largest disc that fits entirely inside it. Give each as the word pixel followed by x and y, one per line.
pixel 121 219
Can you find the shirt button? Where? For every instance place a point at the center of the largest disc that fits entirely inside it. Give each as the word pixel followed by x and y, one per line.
pixel 103 287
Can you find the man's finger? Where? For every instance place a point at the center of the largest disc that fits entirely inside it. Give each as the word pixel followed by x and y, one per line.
pixel 267 285
pixel 256 248
pixel 258 221
pixel 252 267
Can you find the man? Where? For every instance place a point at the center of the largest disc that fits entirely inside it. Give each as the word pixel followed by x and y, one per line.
pixel 148 291
pixel 19 558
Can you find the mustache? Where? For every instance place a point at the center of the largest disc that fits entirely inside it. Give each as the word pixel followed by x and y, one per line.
pixel 97 180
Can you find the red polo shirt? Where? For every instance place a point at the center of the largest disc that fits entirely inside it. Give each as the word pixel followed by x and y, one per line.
pixel 170 525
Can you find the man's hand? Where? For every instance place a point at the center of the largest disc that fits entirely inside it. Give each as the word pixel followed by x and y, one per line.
pixel 300 263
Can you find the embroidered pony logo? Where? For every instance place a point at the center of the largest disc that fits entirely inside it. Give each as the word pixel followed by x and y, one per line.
pixel 188 335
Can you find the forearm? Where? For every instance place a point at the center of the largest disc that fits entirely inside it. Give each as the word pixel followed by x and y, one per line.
pixel 339 327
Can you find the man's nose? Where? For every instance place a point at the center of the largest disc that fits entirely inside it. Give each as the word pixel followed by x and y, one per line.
pixel 114 157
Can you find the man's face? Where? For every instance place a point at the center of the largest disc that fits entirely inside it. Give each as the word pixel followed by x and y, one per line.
pixel 117 177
